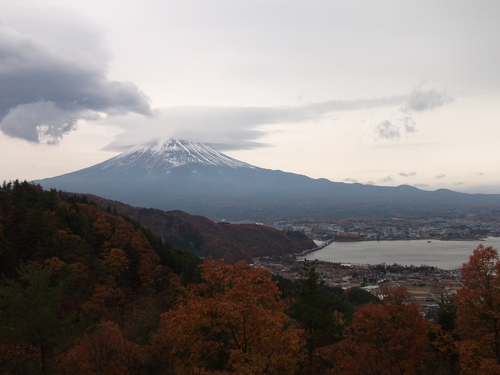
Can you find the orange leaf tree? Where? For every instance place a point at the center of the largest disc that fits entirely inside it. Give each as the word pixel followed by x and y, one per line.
pixel 231 323
pixel 478 319
pixel 104 351
pixel 383 339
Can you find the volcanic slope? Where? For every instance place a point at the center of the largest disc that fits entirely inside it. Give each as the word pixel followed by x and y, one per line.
pixel 192 177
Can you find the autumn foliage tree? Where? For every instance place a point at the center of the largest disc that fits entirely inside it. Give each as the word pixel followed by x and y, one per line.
pixel 478 319
pixel 383 339
pixel 104 351
pixel 233 322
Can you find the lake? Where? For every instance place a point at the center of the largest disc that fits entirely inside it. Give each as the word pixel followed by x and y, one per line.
pixel 441 254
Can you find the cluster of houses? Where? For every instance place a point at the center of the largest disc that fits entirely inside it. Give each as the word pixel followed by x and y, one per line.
pixel 427 285
pixel 396 228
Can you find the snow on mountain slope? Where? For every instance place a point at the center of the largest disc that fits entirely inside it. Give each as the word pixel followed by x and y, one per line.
pixel 155 155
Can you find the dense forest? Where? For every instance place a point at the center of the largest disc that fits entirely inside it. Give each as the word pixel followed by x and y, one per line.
pixel 231 242
pixel 85 290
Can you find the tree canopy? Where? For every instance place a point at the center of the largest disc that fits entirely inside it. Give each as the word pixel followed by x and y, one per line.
pixel 478 319
pixel 233 322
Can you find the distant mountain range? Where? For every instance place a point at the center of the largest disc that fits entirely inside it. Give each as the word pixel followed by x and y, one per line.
pixel 192 177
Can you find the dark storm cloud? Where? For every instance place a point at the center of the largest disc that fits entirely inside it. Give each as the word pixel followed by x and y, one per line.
pixel 44 92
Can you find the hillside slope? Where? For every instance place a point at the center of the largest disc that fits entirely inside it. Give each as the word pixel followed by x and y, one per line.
pixel 232 242
pixel 39 227
pixel 68 266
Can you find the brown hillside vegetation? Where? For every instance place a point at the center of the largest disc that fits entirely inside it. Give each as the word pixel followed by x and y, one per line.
pixel 231 242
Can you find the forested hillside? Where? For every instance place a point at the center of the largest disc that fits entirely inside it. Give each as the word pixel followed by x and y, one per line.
pixel 86 291
pixel 69 265
pixel 231 242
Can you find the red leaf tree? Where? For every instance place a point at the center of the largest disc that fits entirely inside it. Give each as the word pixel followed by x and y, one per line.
pixel 478 319
pixel 383 339
pixel 234 322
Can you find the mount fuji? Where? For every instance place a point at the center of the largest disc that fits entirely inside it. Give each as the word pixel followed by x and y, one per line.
pixel 157 157
pixel 190 176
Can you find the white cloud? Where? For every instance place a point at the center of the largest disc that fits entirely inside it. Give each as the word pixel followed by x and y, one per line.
pixel 351 180
pixel 387 180
pixel 387 130
pixel 408 124
pixel 419 100
pixel 411 174
pixel 426 100
pixel 230 128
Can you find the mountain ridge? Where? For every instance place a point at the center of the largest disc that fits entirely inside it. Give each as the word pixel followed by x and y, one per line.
pixel 192 177
pixel 202 236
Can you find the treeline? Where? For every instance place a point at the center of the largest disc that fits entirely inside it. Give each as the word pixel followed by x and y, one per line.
pixel 86 291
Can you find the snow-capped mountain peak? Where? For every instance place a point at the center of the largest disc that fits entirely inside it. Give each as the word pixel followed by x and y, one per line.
pixel 172 153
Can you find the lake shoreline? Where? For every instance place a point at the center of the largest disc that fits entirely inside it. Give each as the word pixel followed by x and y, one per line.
pixel 444 254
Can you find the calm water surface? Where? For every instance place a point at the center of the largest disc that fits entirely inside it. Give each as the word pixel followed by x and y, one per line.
pixel 442 254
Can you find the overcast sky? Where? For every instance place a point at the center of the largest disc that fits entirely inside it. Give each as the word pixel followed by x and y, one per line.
pixel 379 92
